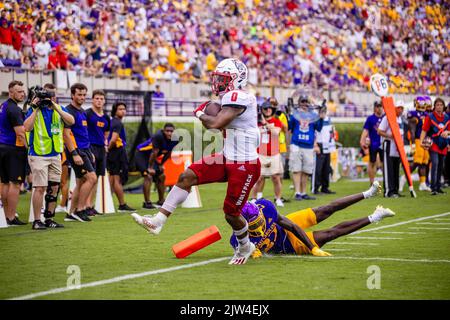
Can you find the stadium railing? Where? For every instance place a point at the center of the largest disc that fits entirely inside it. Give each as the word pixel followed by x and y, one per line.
pixel 181 96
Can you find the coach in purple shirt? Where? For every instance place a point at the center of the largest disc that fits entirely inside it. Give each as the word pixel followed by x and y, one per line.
pixel 370 139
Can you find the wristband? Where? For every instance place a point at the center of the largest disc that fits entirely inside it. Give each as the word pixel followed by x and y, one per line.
pixel 199 113
pixel 74 153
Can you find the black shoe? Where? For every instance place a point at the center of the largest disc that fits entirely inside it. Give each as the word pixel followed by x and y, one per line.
pixel 71 217
pixel 126 208
pixel 91 212
pixel 15 222
pixel 38 225
pixel 434 193
pixel 148 205
pixel 440 191
pixel 84 215
pixel 50 223
pixel 285 200
pixel 393 195
pixel 159 204
pixel 308 197
pixel 328 191
pixel 317 192
pixel 80 216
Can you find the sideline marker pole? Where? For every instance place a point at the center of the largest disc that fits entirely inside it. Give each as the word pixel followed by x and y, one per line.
pixel 196 242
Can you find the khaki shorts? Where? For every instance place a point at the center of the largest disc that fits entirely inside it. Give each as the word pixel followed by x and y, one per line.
pixel 45 169
pixel 301 160
pixel 271 165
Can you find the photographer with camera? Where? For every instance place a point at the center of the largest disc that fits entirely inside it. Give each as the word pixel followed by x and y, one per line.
pixel 44 122
pixel 269 152
pixel 13 153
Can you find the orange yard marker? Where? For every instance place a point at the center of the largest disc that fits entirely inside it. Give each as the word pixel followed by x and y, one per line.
pixel 196 242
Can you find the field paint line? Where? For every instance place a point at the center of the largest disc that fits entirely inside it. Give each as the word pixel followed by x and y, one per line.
pixel 398 232
pixel 443 219
pixel 425 228
pixel 376 238
pixel 355 243
pixel 434 223
pixel 402 223
pixel 362 258
pixel 118 279
pixel 336 249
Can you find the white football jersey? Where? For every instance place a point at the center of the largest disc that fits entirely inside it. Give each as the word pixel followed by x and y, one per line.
pixel 242 134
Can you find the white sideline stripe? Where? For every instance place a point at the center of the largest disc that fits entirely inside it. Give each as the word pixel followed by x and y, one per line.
pixel 375 238
pixel 118 279
pixel 443 219
pixel 399 232
pixel 402 223
pixel 434 223
pixel 425 228
pixel 355 243
pixel 363 258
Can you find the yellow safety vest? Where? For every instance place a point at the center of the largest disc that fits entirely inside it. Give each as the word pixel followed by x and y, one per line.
pixel 43 144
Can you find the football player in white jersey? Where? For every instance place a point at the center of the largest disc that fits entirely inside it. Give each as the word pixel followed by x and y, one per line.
pixel 238 164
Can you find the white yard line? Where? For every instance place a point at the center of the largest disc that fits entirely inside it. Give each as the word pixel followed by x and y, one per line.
pixel 398 232
pixel 354 243
pixel 425 228
pixel 402 223
pixel 118 279
pixel 442 219
pixel 435 223
pixel 375 238
pixel 363 258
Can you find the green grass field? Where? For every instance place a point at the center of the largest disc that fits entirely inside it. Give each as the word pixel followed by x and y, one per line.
pixel 413 258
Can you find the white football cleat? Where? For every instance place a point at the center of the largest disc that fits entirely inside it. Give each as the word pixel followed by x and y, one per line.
pixel 279 203
pixel 424 187
pixel 380 213
pixel 242 253
pixel 147 222
pixel 373 190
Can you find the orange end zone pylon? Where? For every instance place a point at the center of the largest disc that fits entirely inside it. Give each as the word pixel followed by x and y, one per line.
pixel 389 109
pixel 196 242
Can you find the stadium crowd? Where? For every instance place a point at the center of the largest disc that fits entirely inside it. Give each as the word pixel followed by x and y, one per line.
pixel 336 44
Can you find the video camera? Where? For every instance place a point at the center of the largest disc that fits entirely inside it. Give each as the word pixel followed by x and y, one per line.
pixel 42 94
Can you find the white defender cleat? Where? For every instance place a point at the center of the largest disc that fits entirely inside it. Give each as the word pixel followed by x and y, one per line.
pixel 241 254
pixel 374 190
pixel 381 213
pixel 147 223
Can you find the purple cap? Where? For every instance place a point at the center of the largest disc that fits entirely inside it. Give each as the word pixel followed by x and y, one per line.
pixel 250 211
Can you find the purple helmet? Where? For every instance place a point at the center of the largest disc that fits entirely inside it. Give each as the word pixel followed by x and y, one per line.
pixel 255 218
pixel 420 103
pixel 250 211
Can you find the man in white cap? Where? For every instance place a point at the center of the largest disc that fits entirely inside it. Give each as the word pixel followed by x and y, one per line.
pixel 391 159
